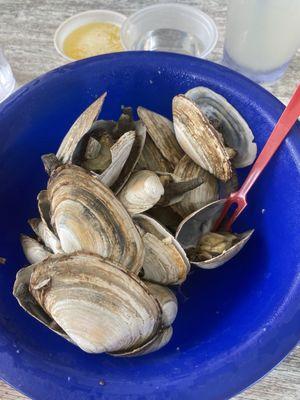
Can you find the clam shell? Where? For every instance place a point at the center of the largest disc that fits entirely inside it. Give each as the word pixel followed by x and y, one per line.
pixel 157 342
pixel 152 159
pixel 101 307
pixel 34 251
pixel 175 188
pixel 167 301
pixel 30 305
pixel 161 131
pixel 228 121
pixel 203 194
pixel 88 217
pixel 45 234
pixel 165 261
pixel 199 139
pixel 44 207
pixel 131 162
pixel 82 125
pixel 202 221
pixel 141 192
pixel 120 152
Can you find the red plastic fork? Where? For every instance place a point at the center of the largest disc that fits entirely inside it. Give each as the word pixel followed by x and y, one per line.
pixel 281 130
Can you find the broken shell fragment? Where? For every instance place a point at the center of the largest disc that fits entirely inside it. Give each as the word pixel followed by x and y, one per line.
pixel 142 191
pixel 165 261
pixel 229 122
pixel 195 226
pixel 199 139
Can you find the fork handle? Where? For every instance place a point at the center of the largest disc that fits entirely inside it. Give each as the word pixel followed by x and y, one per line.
pixel 282 128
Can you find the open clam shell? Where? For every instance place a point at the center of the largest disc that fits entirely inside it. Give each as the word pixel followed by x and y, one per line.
pixel 227 120
pixel 45 234
pixel 166 216
pixel 165 261
pixel 161 131
pixel 141 192
pixel 82 125
pixel 88 217
pixel 200 196
pixel 120 152
pixel 175 187
pixel 199 139
pixel 117 314
pixel 134 155
pixel 201 222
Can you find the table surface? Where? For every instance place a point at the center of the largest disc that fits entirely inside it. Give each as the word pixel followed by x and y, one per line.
pixel 26 35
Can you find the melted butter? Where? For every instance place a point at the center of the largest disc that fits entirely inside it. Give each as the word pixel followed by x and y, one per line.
pixel 92 39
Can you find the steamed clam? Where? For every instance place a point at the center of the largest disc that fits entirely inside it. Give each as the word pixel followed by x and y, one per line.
pixel 207 249
pixel 228 121
pixel 165 261
pixel 103 252
pixel 199 139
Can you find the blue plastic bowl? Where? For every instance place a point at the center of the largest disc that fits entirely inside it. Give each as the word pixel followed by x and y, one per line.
pixel 235 323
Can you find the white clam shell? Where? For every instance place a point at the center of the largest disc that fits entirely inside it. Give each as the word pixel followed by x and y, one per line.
pixel 161 131
pixel 199 139
pixel 30 305
pixel 88 217
pixel 165 261
pixel 230 123
pixel 82 124
pixel 157 342
pixel 167 301
pixel 143 190
pixel 99 305
pixel 34 251
pixel 45 234
pixel 202 195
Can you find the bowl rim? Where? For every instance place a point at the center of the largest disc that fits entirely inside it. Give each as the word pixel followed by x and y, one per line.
pixel 276 107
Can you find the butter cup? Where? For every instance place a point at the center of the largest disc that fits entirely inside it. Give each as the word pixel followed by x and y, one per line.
pixel 84 18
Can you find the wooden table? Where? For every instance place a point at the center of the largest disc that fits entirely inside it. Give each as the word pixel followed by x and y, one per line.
pixel 26 34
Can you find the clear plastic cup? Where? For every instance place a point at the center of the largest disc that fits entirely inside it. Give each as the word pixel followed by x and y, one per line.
pixel 7 80
pixel 170 27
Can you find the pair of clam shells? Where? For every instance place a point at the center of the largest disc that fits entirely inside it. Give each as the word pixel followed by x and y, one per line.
pixel 97 304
